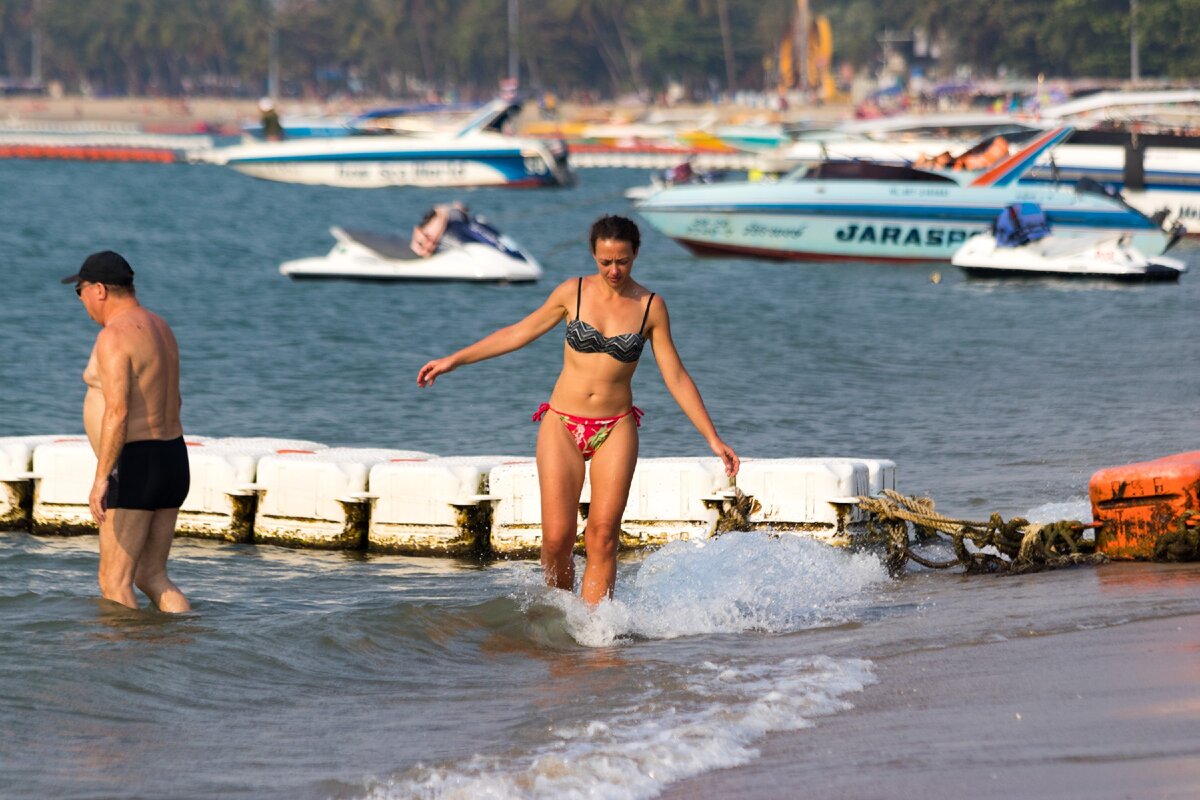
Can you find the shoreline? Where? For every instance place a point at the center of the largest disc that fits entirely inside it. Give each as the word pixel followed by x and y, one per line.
pixel 1110 712
pixel 225 115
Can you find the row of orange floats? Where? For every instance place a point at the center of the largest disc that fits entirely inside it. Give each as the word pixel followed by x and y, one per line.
pixel 88 153
pixel 1135 505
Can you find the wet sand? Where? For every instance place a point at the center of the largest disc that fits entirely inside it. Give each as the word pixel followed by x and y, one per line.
pixel 1105 713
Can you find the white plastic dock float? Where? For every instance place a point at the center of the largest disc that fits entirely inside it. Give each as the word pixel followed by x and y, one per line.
pixel 223 497
pixel 16 479
pixel 301 493
pixel 318 499
pixel 64 470
pixel 670 499
pixel 517 509
pixel 814 495
pixel 435 506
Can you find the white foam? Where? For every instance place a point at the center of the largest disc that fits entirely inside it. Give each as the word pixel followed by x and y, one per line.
pixel 706 716
pixel 636 750
pixel 1079 508
pixel 737 582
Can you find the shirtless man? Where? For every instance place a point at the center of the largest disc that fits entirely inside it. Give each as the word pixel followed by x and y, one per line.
pixel 131 415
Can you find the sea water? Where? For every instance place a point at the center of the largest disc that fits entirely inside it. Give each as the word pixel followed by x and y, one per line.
pixel 309 674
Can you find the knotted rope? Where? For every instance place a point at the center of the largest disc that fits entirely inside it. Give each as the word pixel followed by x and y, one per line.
pixel 1022 547
pixel 1183 542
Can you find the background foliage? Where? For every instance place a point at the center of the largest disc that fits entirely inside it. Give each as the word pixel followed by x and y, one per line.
pixel 603 47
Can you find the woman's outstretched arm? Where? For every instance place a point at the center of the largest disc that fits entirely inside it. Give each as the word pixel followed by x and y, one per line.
pixel 682 387
pixel 509 338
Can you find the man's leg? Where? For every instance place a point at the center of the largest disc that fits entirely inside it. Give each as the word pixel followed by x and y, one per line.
pixel 122 538
pixel 151 571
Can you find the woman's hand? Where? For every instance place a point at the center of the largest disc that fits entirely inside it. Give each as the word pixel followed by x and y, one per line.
pixel 726 454
pixel 439 366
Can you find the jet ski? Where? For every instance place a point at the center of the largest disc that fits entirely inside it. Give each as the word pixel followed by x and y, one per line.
pixel 469 250
pixel 1021 244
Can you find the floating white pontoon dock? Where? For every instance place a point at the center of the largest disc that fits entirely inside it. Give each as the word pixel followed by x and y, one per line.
pixel 305 494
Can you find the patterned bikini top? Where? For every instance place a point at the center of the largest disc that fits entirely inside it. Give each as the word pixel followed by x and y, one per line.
pixel 583 338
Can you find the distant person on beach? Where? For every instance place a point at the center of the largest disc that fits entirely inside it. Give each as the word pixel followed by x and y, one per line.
pixel 272 128
pixel 591 416
pixel 131 415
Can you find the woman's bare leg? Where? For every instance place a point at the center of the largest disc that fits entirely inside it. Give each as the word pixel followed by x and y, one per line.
pixel 560 478
pixel 612 472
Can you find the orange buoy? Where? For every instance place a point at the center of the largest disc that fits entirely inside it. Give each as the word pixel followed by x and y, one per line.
pixel 1137 503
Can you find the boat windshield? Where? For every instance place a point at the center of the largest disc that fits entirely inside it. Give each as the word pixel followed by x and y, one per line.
pixel 865 171
pixel 1089 186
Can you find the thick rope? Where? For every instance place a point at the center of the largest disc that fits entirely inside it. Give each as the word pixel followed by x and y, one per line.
pixel 1183 542
pixel 1022 547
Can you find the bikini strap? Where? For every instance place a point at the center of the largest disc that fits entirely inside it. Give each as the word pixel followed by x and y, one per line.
pixel 541 412
pixel 646 316
pixel 578 296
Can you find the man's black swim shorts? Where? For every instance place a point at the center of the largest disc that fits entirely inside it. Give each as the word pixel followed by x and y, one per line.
pixel 150 474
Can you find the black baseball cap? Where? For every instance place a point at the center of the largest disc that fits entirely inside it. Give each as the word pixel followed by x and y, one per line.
pixel 104 267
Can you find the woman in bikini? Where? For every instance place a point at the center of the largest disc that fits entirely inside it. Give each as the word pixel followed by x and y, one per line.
pixel 591 416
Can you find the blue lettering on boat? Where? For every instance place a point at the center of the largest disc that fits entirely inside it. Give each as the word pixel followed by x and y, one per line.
pixel 904 237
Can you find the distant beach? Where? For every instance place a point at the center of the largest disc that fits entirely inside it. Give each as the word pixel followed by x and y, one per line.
pixel 224 115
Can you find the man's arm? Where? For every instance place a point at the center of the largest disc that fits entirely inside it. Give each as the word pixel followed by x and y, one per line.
pixel 116 378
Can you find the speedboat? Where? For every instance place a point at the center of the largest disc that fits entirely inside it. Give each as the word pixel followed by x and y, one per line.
pixel 468 251
pixel 1127 150
pixel 1022 244
pixel 419 117
pixel 477 154
pixel 869 211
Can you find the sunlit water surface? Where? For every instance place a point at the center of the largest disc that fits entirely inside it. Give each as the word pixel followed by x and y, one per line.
pixel 306 674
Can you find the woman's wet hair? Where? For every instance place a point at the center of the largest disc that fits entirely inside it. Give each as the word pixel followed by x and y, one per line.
pixel 611 226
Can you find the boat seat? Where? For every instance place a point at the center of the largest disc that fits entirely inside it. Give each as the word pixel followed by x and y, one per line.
pixel 397 248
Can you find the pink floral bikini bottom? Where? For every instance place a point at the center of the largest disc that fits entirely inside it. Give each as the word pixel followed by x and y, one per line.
pixel 589 433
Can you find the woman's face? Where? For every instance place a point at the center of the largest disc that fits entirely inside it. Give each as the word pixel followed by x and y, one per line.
pixel 614 258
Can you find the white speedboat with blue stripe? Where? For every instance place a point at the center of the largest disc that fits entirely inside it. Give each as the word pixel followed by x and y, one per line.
pixel 864 210
pixel 1155 171
pixel 478 154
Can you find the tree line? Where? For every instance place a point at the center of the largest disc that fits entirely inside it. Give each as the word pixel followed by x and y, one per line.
pixel 403 48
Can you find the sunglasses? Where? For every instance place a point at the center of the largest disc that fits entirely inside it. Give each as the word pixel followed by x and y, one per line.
pixel 79 287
